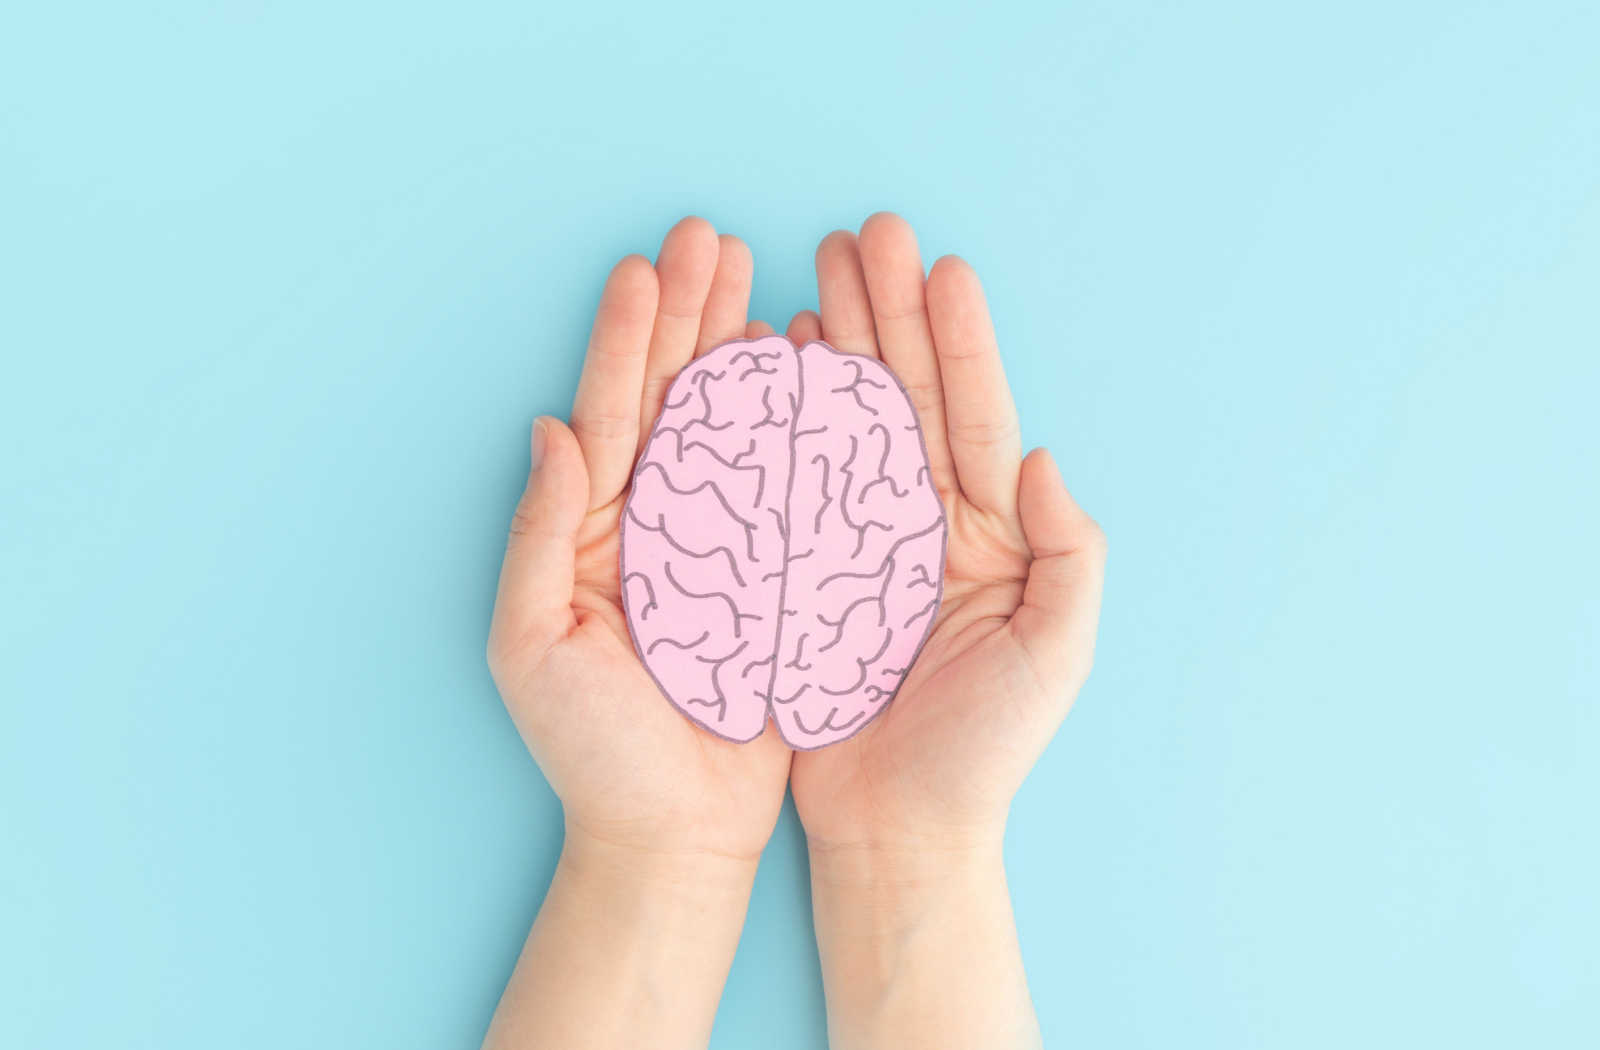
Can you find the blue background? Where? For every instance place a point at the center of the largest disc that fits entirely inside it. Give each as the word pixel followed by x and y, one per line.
pixel 1305 297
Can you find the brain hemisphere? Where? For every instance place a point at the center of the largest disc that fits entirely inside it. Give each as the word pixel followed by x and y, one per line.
pixel 783 546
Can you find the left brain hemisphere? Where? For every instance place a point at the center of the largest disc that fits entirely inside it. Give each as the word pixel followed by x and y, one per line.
pixel 703 535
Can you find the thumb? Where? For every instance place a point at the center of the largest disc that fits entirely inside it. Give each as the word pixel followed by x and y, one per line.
pixel 1060 611
pixel 533 609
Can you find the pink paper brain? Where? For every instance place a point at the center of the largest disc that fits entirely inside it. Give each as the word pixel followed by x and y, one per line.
pixel 783 546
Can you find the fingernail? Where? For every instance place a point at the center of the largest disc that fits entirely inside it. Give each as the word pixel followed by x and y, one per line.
pixel 536 443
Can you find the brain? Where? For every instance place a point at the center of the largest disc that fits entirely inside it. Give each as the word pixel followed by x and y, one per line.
pixel 783 546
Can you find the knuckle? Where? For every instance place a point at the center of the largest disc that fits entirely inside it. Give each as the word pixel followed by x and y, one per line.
pixel 604 426
pixel 655 389
pixel 1095 540
pixel 927 398
pixel 516 653
pixel 523 522
pixel 528 527
pixel 986 433
pixel 962 352
pixel 626 354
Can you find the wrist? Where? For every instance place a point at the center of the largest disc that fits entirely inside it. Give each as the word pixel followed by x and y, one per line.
pixel 653 931
pixel 899 924
pixel 609 867
pixel 877 890
pixel 628 941
pixel 903 857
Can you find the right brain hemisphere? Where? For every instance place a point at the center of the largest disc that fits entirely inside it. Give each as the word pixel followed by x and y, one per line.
pixel 783 546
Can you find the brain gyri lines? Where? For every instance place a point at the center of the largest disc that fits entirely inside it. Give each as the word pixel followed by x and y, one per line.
pixel 783 546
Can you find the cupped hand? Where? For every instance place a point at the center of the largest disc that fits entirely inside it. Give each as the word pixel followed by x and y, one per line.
pixel 630 771
pixel 1015 635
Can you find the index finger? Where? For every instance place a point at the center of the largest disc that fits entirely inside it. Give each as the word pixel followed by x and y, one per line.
pixel 605 410
pixel 980 417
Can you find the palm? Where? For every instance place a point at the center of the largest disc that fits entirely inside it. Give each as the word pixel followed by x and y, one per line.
pixel 721 794
pixel 883 775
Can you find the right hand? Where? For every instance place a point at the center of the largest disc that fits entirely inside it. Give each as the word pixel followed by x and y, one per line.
pixel 631 772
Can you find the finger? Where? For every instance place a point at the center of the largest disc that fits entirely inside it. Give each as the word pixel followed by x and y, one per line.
pixel 892 265
pixel 842 295
pixel 533 608
pixel 757 329
pixel 684 267
pixel 605 411
pixel 1060 611
pixel 980 418
pixel 729 300
pixel 805 328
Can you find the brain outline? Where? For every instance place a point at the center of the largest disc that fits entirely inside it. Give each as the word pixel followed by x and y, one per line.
pixel 713 459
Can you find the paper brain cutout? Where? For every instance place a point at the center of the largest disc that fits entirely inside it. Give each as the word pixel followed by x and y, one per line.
pixel 783 546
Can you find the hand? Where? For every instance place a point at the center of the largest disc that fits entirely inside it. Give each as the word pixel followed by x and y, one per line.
pixel 664 822
pixel 904 820
pixel 1015 634
pixel 629 769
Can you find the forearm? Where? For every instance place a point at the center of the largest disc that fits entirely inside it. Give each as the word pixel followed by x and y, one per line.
pixel 920 949
pixel 628 950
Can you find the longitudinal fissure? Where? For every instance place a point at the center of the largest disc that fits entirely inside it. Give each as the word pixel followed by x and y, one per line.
pixel 796 403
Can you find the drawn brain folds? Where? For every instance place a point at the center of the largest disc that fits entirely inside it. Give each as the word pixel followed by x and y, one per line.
pixel 783 545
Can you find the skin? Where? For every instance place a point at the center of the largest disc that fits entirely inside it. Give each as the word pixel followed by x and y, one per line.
pixel 904 821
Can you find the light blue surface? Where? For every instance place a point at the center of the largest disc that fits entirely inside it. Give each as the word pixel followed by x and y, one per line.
pixel 1307 301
